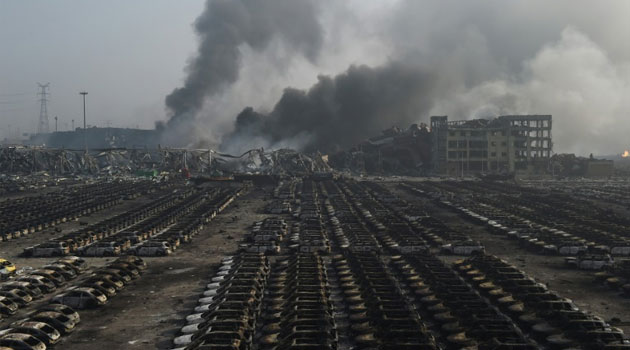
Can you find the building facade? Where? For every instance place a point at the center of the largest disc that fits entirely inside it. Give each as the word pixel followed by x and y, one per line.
pixel 506 144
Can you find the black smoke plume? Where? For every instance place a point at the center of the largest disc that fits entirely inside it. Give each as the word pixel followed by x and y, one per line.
pixel 226 25
pixel 337 112
pixel 485 58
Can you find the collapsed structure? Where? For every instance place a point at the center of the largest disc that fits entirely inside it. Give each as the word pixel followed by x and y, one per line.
pixel 396 151
pixel 506 145
pixel 23 160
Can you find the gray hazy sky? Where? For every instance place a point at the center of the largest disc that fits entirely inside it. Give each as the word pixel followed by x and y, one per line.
pixel 127 54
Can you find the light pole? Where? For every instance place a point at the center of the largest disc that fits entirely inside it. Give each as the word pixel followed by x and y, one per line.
pixel 84 125
pixel 55 123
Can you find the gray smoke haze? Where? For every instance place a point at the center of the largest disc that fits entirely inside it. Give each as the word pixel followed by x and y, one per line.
pixel 226 25
pixel 441 57
pixel 526 57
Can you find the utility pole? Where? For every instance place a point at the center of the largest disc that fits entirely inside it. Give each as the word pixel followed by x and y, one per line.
pixel 55 123
pixel 42 126
pixel 72 124
pixel 84 124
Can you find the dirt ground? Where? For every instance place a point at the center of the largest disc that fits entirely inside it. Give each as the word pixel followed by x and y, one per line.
pixel 570 283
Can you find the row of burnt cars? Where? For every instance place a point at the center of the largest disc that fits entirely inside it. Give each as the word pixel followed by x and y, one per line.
pixel 553 232
pixel 379 314
pixel 228 310
pixel 310 233
pixel 354 208
pixel 102 284
pixel 26 215
pixel 410 228
pixel 153 229
pixel 614 192
pixel 615 276
pixel 388 298
pixel 506 318
pixel 20 290
pixel 553 321
pixel 57 317
pixel 284 195
pixel 10 184
pixel 349 231
pixel 252 304
pixel 266 236
pixel 297 311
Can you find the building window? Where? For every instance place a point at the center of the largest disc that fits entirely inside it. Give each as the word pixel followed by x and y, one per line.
pixel 461 144
pixel 493 154
pixel 503 143
pixel 503 154
pixel 452 155
pixel 452 144
pixel 462 133
pixel 493 143
pixel 451 133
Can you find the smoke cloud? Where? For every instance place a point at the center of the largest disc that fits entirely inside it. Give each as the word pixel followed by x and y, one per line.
pixel 337 112
pixel 223 28
pixel 574 80
pixel 442 57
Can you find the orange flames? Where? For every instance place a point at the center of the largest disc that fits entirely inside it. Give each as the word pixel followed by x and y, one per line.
pixel 625 154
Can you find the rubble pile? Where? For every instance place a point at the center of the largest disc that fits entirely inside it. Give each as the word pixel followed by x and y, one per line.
pixel 570 165
pixel 396 151
pixel 28 160
pixel 279 162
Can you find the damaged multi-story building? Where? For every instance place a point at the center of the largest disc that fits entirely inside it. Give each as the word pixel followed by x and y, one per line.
pixel 519 144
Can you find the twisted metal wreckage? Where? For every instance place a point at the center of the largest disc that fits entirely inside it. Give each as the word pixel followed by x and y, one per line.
pixel 25 160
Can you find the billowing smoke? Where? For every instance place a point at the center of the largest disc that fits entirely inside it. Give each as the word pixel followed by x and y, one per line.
pixel 224 27
pixel 572 79
pixel 441 57
pixel 339 112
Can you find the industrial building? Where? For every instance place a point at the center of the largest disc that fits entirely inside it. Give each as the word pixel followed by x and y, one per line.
pixel 518 144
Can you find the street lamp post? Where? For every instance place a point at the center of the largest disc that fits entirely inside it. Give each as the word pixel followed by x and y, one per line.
pixel 84 125
pixel 55 123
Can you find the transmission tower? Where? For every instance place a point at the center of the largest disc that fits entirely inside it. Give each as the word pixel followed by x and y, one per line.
pixel 42 127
